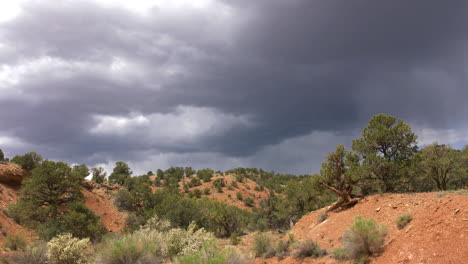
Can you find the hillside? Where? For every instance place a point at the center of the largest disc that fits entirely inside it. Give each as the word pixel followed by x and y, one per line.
pixel 99 199
pixel 247 188
pixel 438 232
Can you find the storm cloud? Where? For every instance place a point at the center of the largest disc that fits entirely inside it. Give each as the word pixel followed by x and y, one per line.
pixel 211 83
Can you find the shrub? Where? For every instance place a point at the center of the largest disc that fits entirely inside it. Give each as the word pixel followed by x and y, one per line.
pixel 180 242
pixel 15 241
pixel 206 191
pixel 340 254
pixel 262 245
pixel 403 220
pixel 210 254
pixel 32 255
pixel 218 183
pixel 141 247
pixel 28 161
pixel 282 249
pixel 240 177
pixel 249 202
pixel 157 224
pixel 197 193
pixel 322 217
pixel 365 238
pixel 81 222
pixel 133 222
pixel 239 196
pixel 205 174
pixel 309 248
pixel 234 238
pixel 124 201
pixel 234 184
pixel 65 249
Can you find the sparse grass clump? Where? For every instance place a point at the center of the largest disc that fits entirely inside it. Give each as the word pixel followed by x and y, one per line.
pixel 210 254
pixel 365 238
pixel 282 248
pixel 309 248
pixel 139 247
pixel 15 242
pixel 403 220
pixel 262 245
pixel 154 242
pixel 32 255
pixel 322 217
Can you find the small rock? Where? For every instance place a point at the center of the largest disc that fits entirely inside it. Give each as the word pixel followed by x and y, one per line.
pixel 457 211
pixel 378 209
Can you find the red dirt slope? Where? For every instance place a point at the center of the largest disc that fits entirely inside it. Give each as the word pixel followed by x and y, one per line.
pixel 100 200
pixel 438 232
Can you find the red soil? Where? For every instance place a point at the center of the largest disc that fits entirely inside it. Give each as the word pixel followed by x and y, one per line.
pixel 100 201
pixel 438 232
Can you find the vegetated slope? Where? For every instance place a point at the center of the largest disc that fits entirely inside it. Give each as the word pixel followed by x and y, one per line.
pixel 438 232
pixel 247 188
pixel 99 199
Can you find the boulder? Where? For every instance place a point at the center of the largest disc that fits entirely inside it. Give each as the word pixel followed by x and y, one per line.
pixel 12 174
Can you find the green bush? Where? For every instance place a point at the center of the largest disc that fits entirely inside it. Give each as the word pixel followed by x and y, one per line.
pixel 234 238
pixel 219 183
pixel 340 254
pixel 309 248
pixel 262 245
pixel 65 249
pixel 206 191
pixel 249 202
pixel 365 238
pixel 205 174
pixel 15 241
pixel 32 255
pixel 239 196
pixel 124 201
pixel 81 222
pixel 28 161
pixel 282 248
pixel 197 193
pixel 403 220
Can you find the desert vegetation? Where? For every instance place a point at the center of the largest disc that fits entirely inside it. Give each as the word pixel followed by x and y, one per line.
pixel 171 215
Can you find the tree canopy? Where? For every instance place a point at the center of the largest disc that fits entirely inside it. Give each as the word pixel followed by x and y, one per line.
pixel 386 146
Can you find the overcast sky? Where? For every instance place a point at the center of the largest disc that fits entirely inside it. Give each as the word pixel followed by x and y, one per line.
pixel 274 84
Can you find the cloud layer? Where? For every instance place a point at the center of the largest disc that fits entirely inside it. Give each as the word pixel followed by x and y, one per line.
pixel 212 83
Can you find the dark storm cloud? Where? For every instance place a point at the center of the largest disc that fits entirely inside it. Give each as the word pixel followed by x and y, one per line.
pixel 264 72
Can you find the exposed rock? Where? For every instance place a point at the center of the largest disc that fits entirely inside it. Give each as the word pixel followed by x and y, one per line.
pixel 12 174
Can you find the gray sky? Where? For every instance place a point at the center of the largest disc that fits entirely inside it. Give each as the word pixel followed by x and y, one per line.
pixel 222 84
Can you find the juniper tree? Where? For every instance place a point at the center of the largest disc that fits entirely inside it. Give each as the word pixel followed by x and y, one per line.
pixel 386 146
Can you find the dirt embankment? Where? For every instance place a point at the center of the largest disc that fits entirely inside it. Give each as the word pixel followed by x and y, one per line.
pixel 100 200
pixel 437 234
